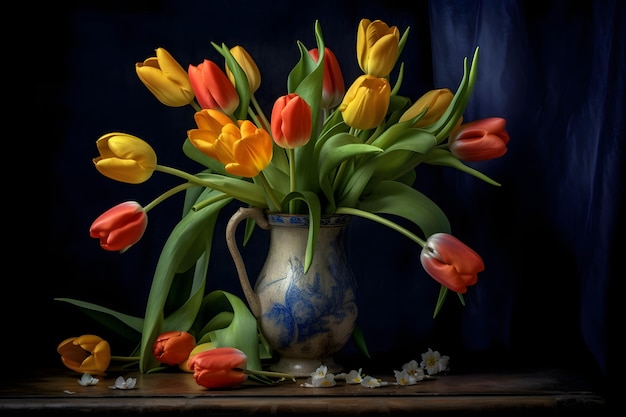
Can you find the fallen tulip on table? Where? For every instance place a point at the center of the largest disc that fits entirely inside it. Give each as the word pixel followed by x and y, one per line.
pixel 225 367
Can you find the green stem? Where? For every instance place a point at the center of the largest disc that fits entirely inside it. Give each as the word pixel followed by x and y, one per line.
pixel 383 221
pixel 204 183
pixel 195 105
pixel 270 193
pixel 259 111
pixel 292 175
pixel 167 195
pixel 266 373
pixel 340 172
pixel 125 358
pixel 209 201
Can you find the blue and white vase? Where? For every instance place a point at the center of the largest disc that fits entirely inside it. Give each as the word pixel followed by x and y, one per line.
pixel 305 317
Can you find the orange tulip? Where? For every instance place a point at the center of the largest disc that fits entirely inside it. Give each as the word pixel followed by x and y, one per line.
pixel 85 354
pixel 333 87
pixel 291 121
pixel 479 140
pixel 244 149
pixel 219 368
pixel 212 87
pixel 366 102
pixel 120 227
pixel 173 348
pixel 450 262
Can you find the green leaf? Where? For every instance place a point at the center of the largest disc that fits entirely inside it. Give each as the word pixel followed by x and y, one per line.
pixel 122 324
pixel 313 203
pixel 332 153
pixel 392 197
pixel 241 81
pixel 350 191
pixel 182 240
pixel 359 340
pixel 445 158
pixel 241 332
pixel 243 190
pixel 195 155
pixel 306 80
pixel 442 127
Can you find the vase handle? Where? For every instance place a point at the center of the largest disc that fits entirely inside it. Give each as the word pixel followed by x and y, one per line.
pixel 259 217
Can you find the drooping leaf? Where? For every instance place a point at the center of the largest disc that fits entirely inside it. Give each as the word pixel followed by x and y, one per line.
pixel 445 158
pixel 392 197
pixel 241 331
pixel 182 240
pixel 123 324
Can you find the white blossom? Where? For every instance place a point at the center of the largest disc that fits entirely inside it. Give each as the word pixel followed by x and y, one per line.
pixel 352 377
pixel 87 379
pixel 433 362
pixel 121 383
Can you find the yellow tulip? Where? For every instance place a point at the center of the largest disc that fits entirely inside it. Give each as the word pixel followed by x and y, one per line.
pixel 166 79
pixel 85 354
pixel 248 66
pixel 377 47
pixel 435 102
pixel 125 158
pixel 366 102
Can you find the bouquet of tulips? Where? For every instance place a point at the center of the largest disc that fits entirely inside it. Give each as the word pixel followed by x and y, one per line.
pixel 323 150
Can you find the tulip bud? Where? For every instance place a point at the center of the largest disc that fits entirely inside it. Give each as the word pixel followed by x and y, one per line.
pixel 166 79
pixel 291 121
pixel 450 262
pixel 479 140
pixel 434 102
pixel 377 47
pixel 173 348
pixel 248 66
pixel 125 158
pixel 85 354
pixel 333 87
pixel 366 102
pixel 212 87
pixel 120 227
pixel 219 368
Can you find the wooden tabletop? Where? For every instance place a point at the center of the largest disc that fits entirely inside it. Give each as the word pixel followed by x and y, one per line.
pixel 538 392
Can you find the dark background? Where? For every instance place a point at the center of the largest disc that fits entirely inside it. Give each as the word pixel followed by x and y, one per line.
pixel 555 70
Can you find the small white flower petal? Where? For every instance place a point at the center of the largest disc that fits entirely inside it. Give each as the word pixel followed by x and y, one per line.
pixel 371 382
pixel 87 379
pixel 121 383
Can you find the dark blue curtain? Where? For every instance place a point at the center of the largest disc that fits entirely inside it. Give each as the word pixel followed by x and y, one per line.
pixel 555 70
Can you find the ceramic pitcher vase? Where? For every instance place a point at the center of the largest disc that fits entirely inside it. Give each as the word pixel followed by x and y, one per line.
pixel 305 317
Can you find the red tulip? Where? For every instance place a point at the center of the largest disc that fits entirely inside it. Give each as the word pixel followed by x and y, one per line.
pixel 333 87
pixel 120 227
pixel 212 87
pixel 291 121
pixel 479 140
pixel 450 262
pixel 173 348
pixel 219 368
